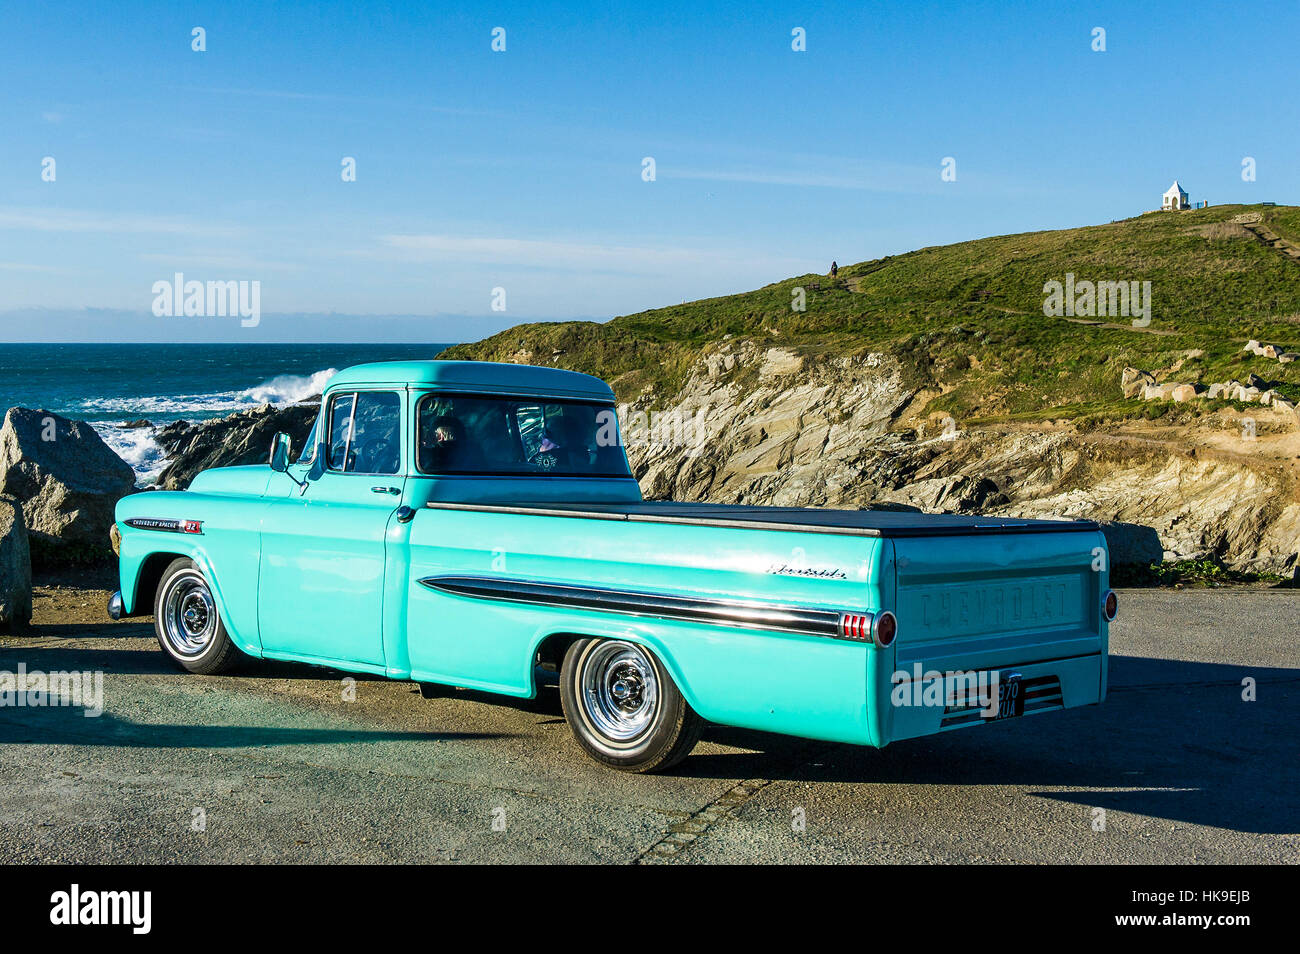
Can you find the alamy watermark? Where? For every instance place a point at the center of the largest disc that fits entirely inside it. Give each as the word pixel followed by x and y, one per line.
pixel 673 428
pixel 1101 299
pixel 194 299
pixel 958 689
pixel 36 689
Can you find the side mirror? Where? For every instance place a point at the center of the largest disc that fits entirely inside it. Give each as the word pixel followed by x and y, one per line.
pixel 280 448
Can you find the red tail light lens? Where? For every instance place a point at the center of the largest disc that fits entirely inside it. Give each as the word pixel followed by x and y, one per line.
pixel 1110 605
pixel 884 628
pixel 856 626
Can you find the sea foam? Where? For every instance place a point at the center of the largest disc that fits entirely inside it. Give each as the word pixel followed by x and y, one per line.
pixel 137 446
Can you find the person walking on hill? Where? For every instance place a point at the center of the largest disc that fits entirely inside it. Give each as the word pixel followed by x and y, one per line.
pixel 834 269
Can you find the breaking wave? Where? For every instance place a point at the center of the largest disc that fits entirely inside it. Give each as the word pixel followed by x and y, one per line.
pixel 137 446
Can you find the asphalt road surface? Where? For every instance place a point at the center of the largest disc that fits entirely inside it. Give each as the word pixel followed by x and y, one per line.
pixel 278 766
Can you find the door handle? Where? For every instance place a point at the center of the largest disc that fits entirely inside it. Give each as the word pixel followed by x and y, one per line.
pixel 385 490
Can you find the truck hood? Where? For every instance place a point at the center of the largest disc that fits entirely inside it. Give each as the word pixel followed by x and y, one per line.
pixel 250 479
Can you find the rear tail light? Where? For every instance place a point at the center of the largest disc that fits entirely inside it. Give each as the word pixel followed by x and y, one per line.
pixel 879 628
pixel 855 626
pixel 1110 605
pixel 884 628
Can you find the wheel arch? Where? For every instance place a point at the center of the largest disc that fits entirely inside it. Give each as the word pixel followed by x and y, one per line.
pixel 551 647
pixel 148 577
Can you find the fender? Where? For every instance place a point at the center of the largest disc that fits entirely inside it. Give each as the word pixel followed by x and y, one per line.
pixel 133 558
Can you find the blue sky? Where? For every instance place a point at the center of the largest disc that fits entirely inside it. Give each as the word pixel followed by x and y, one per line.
pixel 523 169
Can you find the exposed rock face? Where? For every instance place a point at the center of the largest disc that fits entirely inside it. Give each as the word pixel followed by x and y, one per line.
pixel 15 567
pixel 241 438
pixel 1270 351
pixel 839 433
pixel 67 480
pixel 1134 380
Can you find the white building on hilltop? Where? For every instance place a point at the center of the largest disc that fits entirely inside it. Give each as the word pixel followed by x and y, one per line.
pixel 1175 199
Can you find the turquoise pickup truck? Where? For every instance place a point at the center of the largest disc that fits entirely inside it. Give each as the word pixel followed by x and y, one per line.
pixel 476 525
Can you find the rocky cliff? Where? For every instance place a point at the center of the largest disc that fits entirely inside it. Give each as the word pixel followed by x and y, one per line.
pixel 764 425
pixel 241 438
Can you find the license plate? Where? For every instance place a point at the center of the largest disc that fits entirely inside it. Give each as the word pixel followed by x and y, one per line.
pixel 1011 698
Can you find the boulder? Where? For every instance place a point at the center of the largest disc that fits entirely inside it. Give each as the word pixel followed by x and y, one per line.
pixel 1184 392
pixel 15 567
pixel 1252 346
pixel 1216 390
pixel 1255 381
pixel 1157 392
pixel 1133 380
pixel 240 438
pixel 1131 544
pixel 67 480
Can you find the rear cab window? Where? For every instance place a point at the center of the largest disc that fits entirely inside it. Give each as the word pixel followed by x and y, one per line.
pixel 469 434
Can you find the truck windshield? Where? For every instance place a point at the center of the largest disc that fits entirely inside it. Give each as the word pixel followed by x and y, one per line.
pixel 474 434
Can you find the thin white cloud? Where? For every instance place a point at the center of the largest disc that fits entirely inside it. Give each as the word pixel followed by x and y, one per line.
pixel 288 94
pixel 218 260
pixel 69 220
pixel 830 174
pixel 577 256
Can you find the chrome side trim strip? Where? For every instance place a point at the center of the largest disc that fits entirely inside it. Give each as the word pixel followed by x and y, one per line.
pixel 745 614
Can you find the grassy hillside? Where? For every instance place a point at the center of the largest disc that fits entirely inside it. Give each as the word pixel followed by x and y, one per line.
pixel 967 319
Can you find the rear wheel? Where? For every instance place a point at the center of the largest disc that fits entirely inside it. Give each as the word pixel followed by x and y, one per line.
pixel 623 707
pixel 187 623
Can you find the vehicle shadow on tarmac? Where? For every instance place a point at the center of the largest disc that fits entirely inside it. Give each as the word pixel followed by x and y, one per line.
pixel 49 724
pixel 1173 740
pixel 67 725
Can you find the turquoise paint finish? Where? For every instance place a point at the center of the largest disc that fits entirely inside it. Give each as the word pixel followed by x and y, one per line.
pixel 227 501
pixel 321 579
pixel 330 575
pixel 797 684
pixel 324 552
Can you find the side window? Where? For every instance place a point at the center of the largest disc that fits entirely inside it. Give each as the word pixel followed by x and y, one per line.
pixel 364 432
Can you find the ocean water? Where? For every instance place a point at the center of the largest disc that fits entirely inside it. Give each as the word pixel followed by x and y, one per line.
pixel 109 385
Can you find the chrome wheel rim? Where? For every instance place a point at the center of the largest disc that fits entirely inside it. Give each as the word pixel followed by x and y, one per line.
pixel 189 617
pixel 619 690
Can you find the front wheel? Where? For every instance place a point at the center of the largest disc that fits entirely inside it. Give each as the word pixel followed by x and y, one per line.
pixel 187 623
pixel 623 707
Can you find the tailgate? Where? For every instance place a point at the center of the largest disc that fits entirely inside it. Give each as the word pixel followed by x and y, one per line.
pixel 984 600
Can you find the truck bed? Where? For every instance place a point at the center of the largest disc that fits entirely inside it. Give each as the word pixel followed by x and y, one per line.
pixel 864 523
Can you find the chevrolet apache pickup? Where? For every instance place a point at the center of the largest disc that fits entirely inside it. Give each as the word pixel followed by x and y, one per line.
pixel 465 524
